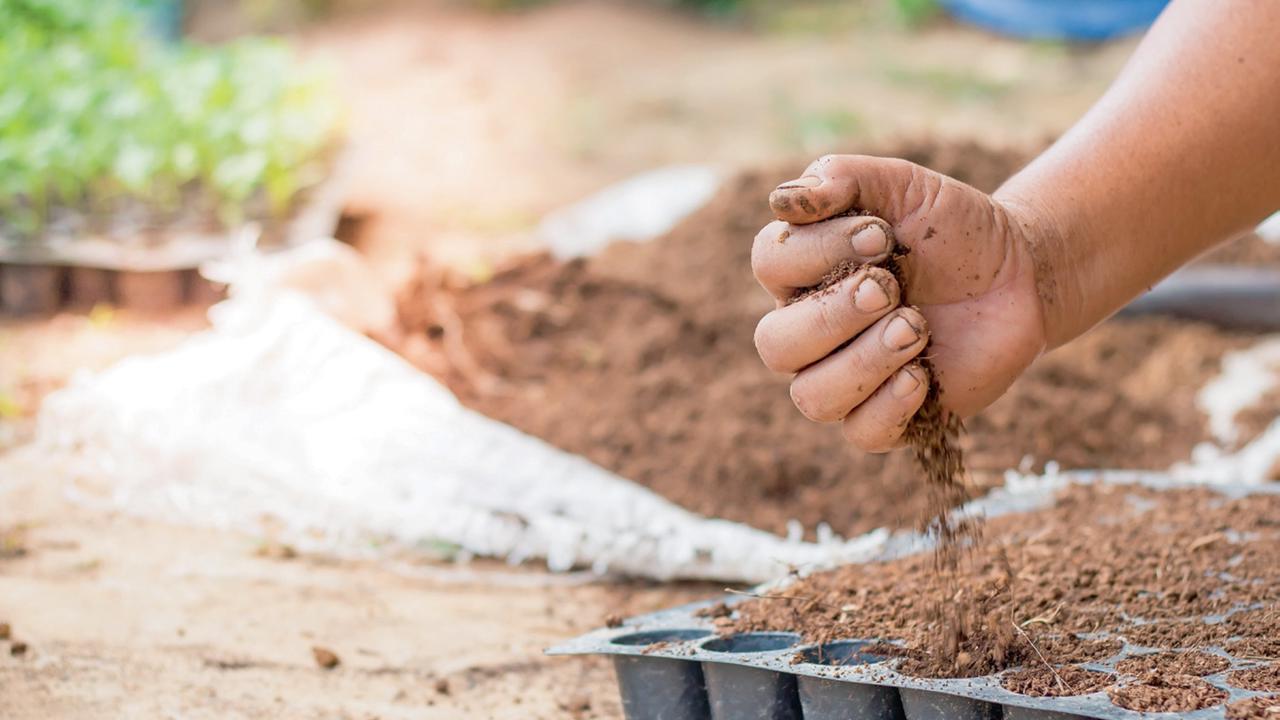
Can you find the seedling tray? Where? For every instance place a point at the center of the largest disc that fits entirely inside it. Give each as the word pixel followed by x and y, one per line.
pixel 672 665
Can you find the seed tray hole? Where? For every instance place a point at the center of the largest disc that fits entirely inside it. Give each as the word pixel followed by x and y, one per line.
pixel 844 653
pixel 1188 662
pixel 751 643
pixel 653 637
pixel 1174 693
pixel 1065 681
pixel 1263 707
pixel 1262 679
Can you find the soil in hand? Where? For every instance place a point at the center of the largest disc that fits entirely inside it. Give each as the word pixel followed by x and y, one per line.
pixel 1089 564
pixel 641 359
pixel 1167 693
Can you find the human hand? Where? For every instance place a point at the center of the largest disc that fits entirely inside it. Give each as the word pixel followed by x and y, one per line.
pixel 969 277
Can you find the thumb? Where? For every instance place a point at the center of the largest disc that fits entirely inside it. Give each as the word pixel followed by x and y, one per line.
pixel 836 184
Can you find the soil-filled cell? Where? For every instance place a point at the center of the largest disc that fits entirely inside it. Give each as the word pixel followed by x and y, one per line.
pixel 1174 693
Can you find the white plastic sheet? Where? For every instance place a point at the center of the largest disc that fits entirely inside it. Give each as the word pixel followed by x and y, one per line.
pixel 282 412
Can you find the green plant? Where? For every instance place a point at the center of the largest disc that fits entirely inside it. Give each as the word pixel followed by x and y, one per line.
pixel 94 113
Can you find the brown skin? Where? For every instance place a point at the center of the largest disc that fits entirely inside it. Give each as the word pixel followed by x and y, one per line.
pixel 1181 153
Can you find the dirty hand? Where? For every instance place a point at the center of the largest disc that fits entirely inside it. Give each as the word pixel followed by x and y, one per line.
pixel 969 277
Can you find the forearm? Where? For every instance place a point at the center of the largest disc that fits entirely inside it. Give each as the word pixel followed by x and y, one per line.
pixel 1181 153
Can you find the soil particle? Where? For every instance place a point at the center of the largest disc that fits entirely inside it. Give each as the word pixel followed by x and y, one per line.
pixel 1099 560
pixel 613 620
pixel 660 334
pixel 1066 681
pixel 1262 679
pixel 442 686
pixel 5 631
pixel 1072 649
pixel 1255 708
pixel 718 610
pixel 325 657
pixel 1167 693
pixel 1192 662
pixel 18 648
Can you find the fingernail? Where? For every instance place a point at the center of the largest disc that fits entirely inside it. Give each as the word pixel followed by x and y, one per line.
pixel 904 383
pixel 900 335
pixel 870 241
pixel 807 181
pixel 870 296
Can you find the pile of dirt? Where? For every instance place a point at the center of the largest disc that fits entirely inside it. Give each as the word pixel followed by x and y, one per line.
pixel 1104 559
pixel 1171 693
pixel 641 359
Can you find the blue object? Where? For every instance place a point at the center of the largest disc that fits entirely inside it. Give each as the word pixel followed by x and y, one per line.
pixel 1058 19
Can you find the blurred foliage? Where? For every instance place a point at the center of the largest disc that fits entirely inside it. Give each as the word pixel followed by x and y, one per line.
pixel 94 112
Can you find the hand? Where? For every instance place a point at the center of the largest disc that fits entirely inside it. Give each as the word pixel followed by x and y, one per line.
pixel 969 279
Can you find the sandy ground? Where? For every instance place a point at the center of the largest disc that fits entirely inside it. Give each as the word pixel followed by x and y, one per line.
pixel 466 129
pixel 130 618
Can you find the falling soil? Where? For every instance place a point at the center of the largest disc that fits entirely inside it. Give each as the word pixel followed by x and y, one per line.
pixel 1264 679
pixel 933 435
pixel 1065 681
pixel 1255 708
pixel 1191 662
pixel 641 359
pixel 1172 693
pixel 1104 559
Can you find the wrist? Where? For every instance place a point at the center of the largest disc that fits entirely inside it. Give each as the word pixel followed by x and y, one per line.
pixel 1044 237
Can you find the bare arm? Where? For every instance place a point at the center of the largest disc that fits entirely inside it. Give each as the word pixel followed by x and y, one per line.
pixel 1181 153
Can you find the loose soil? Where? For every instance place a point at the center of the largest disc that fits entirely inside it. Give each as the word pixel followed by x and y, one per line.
pixel 641 359
pixel 1255 708
pixel 1173 693
pixel 1103 559
pixel 1066 681
pixel 1175 663
pixel 1265 678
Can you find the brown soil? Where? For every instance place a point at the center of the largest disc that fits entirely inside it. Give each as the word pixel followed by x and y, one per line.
pixel 325 657
pixel 1175 693
pixel 1255 708
pixel 1066 681
pixel 1174 663
pixel 1101 556
pixel 1263 679
pixel 641 359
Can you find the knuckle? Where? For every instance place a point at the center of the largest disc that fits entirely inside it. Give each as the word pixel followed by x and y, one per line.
pixel 763 257
pixel 767 345
pixel 809 401
pixel 869 438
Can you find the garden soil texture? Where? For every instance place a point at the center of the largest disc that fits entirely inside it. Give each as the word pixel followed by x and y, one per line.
pixel 641 359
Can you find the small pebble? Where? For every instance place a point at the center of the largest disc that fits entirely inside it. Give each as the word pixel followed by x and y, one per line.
pixel 18 648
pixel 325 657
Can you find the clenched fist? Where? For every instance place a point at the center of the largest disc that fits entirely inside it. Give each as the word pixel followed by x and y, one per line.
pixel 970 294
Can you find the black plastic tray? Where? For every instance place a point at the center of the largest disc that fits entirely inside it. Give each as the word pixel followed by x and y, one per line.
pixel 672 665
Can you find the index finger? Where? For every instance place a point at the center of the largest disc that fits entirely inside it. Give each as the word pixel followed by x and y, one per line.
pixel 836 184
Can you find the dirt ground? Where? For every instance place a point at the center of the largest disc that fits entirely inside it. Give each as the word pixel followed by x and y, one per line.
pixel 131 618
pixel 127 618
